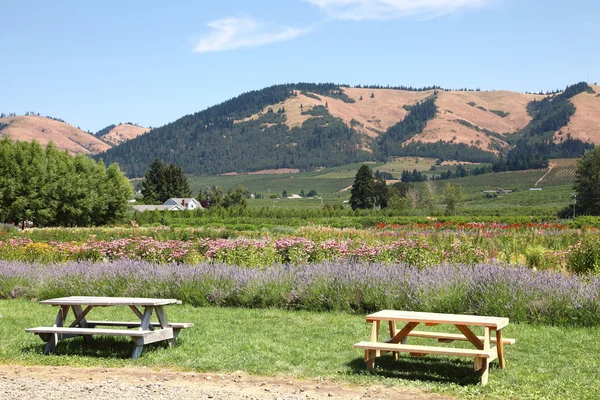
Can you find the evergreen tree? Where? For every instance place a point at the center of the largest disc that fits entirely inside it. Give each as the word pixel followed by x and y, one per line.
pixel 162 183
pixel 154 183
pixel 587 183
pixel 176 183
pixel 363 189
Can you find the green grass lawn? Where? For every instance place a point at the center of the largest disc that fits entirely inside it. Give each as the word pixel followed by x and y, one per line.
pixel 547 362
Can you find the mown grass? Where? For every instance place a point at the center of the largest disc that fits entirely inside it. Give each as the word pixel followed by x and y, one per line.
pixel 547 362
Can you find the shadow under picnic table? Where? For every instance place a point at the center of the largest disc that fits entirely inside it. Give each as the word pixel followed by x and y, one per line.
pixel 101 347
pixel 427 369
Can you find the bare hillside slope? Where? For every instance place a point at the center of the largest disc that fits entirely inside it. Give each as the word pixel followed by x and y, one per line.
pixel 45 130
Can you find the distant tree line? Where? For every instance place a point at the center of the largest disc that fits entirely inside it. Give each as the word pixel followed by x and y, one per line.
pixel 401 87
pixel 51 188
pixel 31 114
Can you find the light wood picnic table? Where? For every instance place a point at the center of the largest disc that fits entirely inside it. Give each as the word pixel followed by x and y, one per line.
pixel 483 353
pixel 146 332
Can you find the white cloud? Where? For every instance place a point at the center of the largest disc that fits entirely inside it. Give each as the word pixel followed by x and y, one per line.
pixel 232 33
pixel 389 9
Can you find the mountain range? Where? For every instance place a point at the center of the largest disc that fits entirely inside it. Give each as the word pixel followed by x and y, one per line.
pixel 306 126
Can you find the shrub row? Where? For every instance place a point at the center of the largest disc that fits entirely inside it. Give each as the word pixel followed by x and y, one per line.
pixel 522 294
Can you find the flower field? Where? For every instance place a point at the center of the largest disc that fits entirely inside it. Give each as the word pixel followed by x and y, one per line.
pixel 530 272
pixel 536 245
pixel 520 293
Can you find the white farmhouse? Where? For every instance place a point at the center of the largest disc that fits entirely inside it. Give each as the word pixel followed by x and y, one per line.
pixel 185 203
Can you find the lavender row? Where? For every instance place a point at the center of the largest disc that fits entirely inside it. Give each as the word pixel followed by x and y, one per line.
pixel 522 294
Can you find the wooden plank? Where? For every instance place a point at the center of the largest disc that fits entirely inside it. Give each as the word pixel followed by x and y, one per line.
pixel 371 355
pixel 63 311
pixel 471 337
pixel 88 331
pixel 400 336
pixel 137 312
pixel 81 321
pixel 438 318
pixel 408 348
pixel 442 336
pixel 80 316
pixel 145 324
pixel 164 323
pixel 162 316
pixel 137 324
pixel 109 301
pixel 155 336
pixel 500 347
pixel 393 332
pixel 485 364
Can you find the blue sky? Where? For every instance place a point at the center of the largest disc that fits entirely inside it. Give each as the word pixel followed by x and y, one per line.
pixel 149 62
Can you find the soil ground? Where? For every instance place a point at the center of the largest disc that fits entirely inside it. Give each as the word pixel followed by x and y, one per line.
pixel 48 383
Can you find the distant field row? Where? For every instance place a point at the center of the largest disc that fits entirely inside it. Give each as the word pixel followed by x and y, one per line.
pixel 555 184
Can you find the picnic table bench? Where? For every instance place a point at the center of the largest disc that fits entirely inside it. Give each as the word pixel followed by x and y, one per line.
pixel 483 353
pixel 146 332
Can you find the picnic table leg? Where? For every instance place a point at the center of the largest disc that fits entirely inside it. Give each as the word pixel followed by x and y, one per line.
pixel 164 323
pixel 80 315
pixel 500 348
pixel 485 364
pixel 393 332
pixel 58 322
pixel 139 344
pixel 374 338
pixel 140 315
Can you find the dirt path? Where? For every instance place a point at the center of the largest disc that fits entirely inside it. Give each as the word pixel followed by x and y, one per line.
pixel 550 168
pixel 49 383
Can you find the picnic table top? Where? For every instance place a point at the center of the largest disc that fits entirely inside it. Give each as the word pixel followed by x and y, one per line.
pixel 108 301
pixel 438 318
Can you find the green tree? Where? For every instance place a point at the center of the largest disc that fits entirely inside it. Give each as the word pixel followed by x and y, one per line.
pixel 50 187
pixel 587 183
pixel 284 193
pixel 453 197
pixel 363 189
pixel 428 198
pixel 235 198
pixel 382 193
pixel 176 183
pixel 212 195
pixel 163 182
pixel 154 181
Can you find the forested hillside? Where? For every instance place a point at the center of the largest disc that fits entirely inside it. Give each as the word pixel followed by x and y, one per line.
pixel 536 144
pixel 218 140
pixel 304 126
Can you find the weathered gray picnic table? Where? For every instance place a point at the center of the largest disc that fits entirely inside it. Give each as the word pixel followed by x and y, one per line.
pixel 146 332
